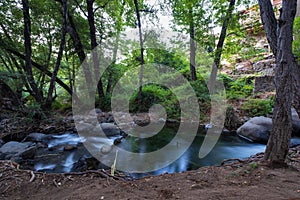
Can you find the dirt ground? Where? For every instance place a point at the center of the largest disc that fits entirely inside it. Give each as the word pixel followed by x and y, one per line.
pixel 246 179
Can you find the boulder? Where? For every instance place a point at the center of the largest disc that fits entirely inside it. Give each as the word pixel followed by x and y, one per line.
pixel 17 149
pixel 295 123
pixel 84 127
pixel 38 137
pixel 257 129
pixel 110 129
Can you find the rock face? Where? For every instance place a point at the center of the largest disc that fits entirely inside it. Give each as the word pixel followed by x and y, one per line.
pixel 264 84
pixel 266 67
pixel 256 129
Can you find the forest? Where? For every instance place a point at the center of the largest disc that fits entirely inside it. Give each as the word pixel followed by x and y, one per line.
pixel 137 97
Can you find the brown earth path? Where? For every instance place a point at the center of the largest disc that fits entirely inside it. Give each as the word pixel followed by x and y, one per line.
pixel 248 179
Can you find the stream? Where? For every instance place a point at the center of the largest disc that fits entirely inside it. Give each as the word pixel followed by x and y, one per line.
pixel 66 152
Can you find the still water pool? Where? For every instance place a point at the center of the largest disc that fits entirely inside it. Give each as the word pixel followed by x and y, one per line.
pixel 54 159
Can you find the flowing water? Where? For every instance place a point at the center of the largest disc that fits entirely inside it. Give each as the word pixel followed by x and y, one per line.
pixel 55 158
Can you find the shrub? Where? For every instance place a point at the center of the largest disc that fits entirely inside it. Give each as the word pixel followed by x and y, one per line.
pixel 239 88
pixel 258 107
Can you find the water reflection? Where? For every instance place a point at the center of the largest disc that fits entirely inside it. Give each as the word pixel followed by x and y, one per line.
pixel 227 147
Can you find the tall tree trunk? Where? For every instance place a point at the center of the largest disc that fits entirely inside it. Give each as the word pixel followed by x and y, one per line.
pixel 269 22
pixel 278 144
pixel 218 51
pixel 91 20
pixel 28 67
pixel 192 45
pixel 142 61
pixel 60 54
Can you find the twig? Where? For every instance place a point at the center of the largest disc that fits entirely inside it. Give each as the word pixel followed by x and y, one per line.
pixel 5 189
pixel 32 176
pixel 55 183
pixel 294 160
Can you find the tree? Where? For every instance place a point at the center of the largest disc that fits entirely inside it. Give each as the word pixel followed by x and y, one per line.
pixel 192 44
pixel 49 99
pixel 27 43
pixel 286 73
pixel 190 15
pixel 218 51
pixel 91 20
pixel 141 59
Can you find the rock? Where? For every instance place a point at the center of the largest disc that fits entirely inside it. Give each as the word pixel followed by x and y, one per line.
pixel 257 129
pixel 294 143
pixel 295 123
pixel 50 129
pixel 232 121
pixel 162 120
pixel 84 127
pixel 243 67
pixel 69 147
pixel 105 149
pixel 141 119
pixel 110 119
pixel 117 141
pixel 28 153
pixel 1 143
pixel 86 163
pixel 110 129
pixel 264 84
pixel 15 149
pixel 95 111
pixel 264 64
pixel 38 137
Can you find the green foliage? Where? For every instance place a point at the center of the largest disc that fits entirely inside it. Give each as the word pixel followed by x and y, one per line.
pixel 239 88
pixel 253 165
pixel 155 94
pixel 35 112
pixel 258 107
pixel 296 42
pixel 61 104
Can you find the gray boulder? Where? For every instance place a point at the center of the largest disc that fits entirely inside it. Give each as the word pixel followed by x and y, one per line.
pixel 257 129
pixel 38 137
pixel 295 123
pixel 17 149
pixel 84 127
pixel 110 129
